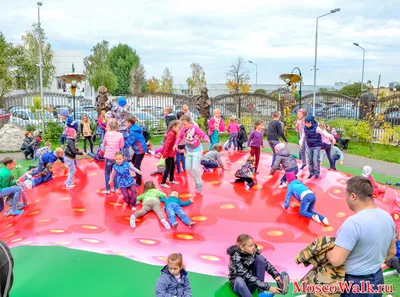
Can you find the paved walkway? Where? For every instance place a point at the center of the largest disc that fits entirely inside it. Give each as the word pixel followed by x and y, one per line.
pixel 383 167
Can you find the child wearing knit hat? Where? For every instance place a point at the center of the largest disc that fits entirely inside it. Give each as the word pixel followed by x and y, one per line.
pixel 378 190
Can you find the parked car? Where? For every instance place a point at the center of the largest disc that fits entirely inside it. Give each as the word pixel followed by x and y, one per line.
pixel 150 121
pixel 4 116
pixel 393 117
pixel 81 111
pixel 341 112
pixel 25 117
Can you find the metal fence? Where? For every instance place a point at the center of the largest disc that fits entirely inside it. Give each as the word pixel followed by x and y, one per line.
pixel 148 108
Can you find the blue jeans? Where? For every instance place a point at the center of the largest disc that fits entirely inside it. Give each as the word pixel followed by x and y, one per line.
pixel 214 139
pixel 241 288
pixel 108 169
pixel 334 159
pixel 71 170
pixel 284 179
pixel 233 138
pixel 327 148
pixel 272 144
pixel 102 133
pixel 302 153
pixel 173 210
pixel 14 190
pixel 39 168
pixel 180 157
pixel 313 160
pixel 63 138
pixel 209 164
pixel 307 205
pixel 374 279
pixel 125 150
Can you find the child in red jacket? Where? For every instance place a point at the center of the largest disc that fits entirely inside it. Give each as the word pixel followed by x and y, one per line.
pixel 169 153
pixel 378 190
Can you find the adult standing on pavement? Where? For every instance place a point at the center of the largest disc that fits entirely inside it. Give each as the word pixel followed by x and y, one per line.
pixel 365 240
pixel 275 131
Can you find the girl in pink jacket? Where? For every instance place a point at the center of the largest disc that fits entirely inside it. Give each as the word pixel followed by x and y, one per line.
pixel 216 124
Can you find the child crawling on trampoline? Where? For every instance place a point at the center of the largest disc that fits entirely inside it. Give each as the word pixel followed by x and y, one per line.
pixel 247 269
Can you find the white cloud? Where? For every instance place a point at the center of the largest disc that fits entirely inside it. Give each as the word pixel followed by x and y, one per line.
pixel 276 34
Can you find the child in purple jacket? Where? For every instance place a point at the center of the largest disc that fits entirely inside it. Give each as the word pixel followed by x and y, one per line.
pixel 255 142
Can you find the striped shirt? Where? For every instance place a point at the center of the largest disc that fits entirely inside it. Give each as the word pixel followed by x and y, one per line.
pixel 114 142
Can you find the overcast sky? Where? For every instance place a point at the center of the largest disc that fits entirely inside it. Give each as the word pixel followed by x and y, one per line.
pixel 277 35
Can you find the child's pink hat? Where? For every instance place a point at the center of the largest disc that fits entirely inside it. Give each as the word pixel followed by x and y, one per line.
pixel 290 176
pixel 70 131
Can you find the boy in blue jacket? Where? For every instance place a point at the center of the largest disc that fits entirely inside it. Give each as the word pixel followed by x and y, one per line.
pixel 306 198
pixel 173 207
pixel 394 262
pixel 46 158
pixel 136 140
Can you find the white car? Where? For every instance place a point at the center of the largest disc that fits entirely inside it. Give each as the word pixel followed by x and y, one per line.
pixel 25 117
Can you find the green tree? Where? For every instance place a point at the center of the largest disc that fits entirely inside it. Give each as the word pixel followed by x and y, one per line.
pixel 197 80
pixel 6 64
pixel 325 90
pixel 121 60
pixel 260 91
pixel 28 58
pixel 97 69
pixel 167 81
pixel 238 77
pixel 138 80
pixel 353 90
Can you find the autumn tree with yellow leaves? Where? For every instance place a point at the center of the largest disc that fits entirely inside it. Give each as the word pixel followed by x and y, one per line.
pixel 238 77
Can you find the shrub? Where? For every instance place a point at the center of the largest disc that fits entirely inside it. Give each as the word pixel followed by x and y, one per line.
pixel 53 130
pixel 290 122
pixel 260 91
pixel 30 128
pixel 390 135
pixel 202 122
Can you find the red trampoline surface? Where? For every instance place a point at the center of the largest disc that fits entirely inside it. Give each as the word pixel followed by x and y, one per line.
pixel 83 218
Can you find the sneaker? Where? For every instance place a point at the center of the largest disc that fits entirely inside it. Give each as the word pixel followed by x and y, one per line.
pixel 133 208
pixel 302 167
pixel 191 225
pixel 246 186
pixel 70 186
pixel 232 181
pixel 284 185
pixel 257 172
pixel 310 176
pixel 175 225
pixel 325 221
pixel 316 218
pixel 206 169
pixel 166 224
pixel 174 182
pixel 397 184
pixel 284 283
pixel 165 186
pixel 16 212
pixel 28 176
pixel 152 152
pixel 316 176
pixel 113 191
pixel 133 221
pixel 388 183
pixel 105 192
pixel 199 188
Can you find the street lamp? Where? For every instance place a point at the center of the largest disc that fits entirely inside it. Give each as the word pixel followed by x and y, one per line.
pixel 315 61
pixel 362 76
pixel 256 72
pixel 300 84
pixel 40 53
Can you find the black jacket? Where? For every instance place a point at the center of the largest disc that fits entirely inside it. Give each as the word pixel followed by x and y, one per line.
pixel 241 265
pixel 242 136
pixel 6 270
pixel 70 150
pixel 275 131
pixel 169 118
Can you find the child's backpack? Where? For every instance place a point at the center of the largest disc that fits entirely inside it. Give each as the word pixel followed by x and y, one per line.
pixel 40 152
pixel 6 270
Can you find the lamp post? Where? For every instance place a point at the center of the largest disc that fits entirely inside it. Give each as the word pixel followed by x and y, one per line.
pixel 315 61
pixel 40 53
pixel 362 75
pixel 256 72
pixel 300 84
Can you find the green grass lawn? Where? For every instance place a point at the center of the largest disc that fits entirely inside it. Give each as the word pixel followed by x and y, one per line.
pixel 395 281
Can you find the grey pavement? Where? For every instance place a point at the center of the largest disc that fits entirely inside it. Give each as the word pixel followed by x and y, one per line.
pixel 383 167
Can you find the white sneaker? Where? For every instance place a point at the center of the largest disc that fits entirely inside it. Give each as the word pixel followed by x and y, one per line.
pixel 246 186
pixel 28 176
pixel 174 183
pixel 133 221
pixel 133 208
pixel 70 186
pixel 316 218
pixel 105 192
pixel 165 186
pixel 152 152
pixel 166 224
pixel 232 181
pixel 284 185
pixel 325 221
